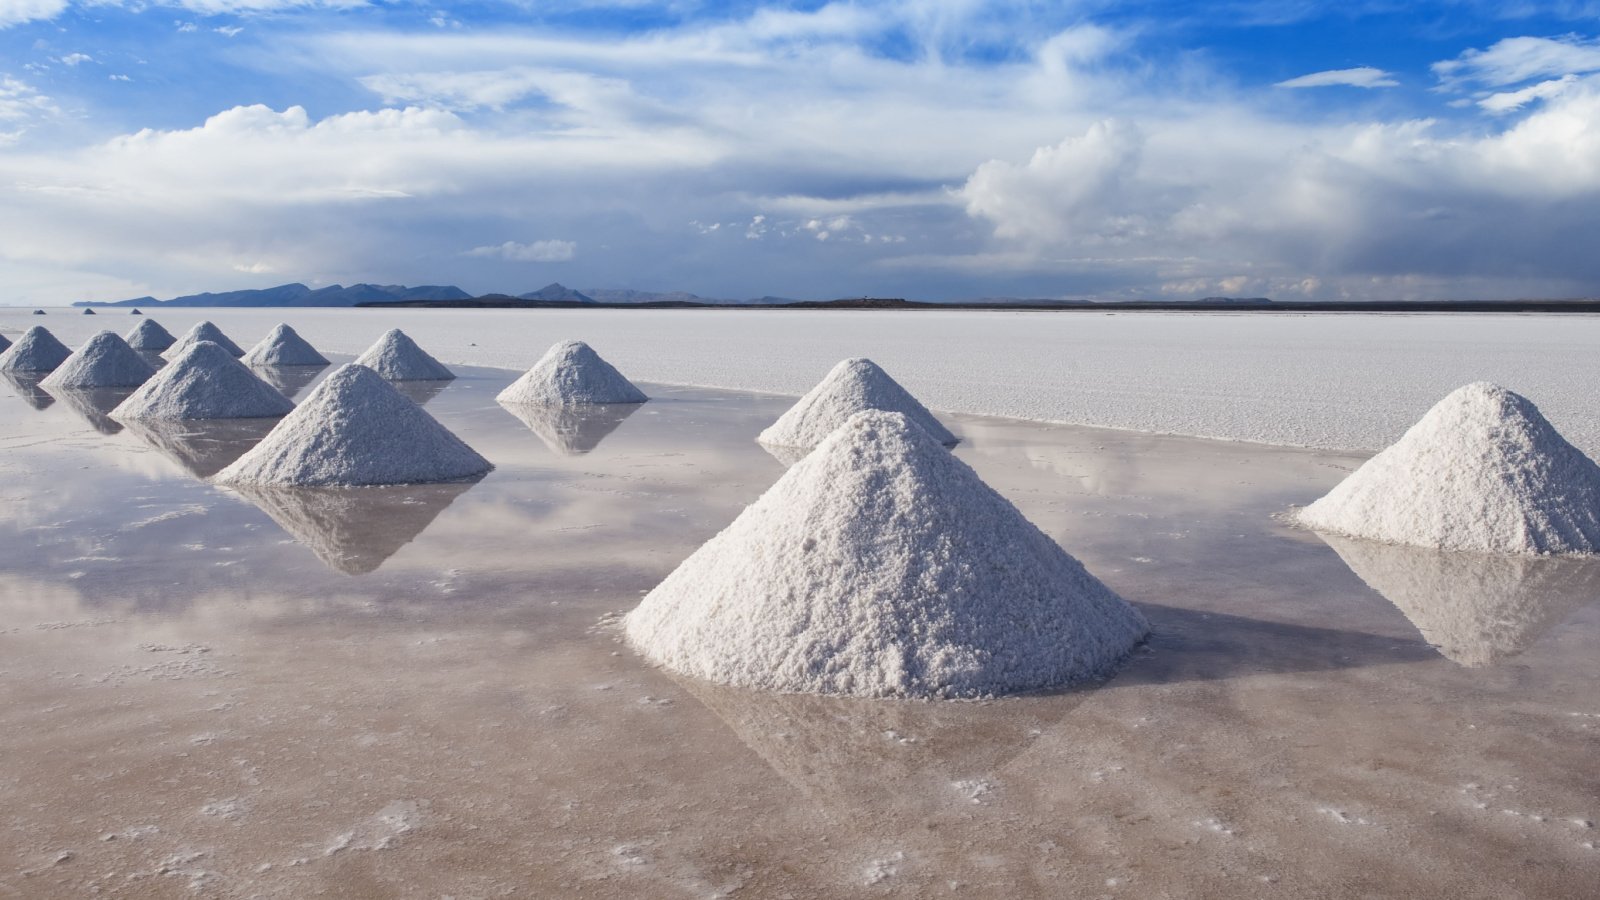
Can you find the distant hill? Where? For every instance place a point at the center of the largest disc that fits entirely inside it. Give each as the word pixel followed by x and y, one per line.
pixel 556 293
pixel 299 295
pixel 621 296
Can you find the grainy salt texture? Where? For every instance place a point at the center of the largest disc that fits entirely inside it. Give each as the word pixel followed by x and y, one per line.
pixel 149 335
pixel 283 347
pixel 203 331
pixel 571 373
pixel 204 382
pixel 36 351
pixel 882 566
pixel 398 358
pixel 104 360
pixel 356 429
pixel 1484 471
pixel 852 386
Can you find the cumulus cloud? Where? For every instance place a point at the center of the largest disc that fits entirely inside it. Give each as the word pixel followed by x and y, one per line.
pixel 15 12
pixel 1361 77
pixel 538 251
pixel 75 59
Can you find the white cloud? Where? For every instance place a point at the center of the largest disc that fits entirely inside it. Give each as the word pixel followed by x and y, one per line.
pixel 15 12
pixel 75 59
pixel 1518 59
pixel 1510 101
pixel 1361 77
pixel 538 251
pixel 229 30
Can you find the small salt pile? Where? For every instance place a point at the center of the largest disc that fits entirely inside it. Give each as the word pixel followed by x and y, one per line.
pixel 1484 471
pixel 204 382
pixel 398 358
pixel 38 312
pixel 355 429
pixel 284 347
pixel 36 351
pixel 105 360
pixel 136 312
pixel 879 566
pixel 149 335
pixel 852 386
pixel 203 331
pixel 571 373
pixel 87 311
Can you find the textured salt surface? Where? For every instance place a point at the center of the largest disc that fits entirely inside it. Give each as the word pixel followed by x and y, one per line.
pixel 356 429
pixel 571 373
pixel 883 566
pixel 284 347
pixel 105 360
pixel 203 331
pixel 1482 471
pixel 852 386
pixel 149 335
pixel 398 358
pixel 36 351
pixel 204 382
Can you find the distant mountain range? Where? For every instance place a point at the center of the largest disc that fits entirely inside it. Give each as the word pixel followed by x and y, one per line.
pixel 339 295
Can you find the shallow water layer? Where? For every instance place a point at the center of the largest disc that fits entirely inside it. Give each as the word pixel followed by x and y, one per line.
pixel 420 691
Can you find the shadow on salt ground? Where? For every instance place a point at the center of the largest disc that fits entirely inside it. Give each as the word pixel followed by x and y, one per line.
pixel 201 447
pixel 26 384
pixel 93 404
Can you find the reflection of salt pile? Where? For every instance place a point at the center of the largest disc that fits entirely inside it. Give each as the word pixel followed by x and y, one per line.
pixel 104 360
pixel 570 374
pixel 203 331
pixel 572 430
pixel 356 429
pixel 95 404
pixel 852 386
pixel 202 447
pixel 284 347
pixel 1482 471
pixel 149 335
pixel 36 351
pixel 354 530
pixel 204 382
pixel 881 565
pixel 290 380
pixel 26 384
pixel 1476 608
pixel 398 358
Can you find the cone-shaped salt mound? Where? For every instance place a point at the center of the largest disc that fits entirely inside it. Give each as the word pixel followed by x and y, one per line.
pixel 569 374
pixel 105 360
pixel 398 358
pixel 356 429
pixel 284 347
pixel 854 385
pixel 87 311
pixel 203 331
pixel 149 335
pixel 36 351
pixel 204 382
pixel 880 566
pixel 1481 471
pixel 136 312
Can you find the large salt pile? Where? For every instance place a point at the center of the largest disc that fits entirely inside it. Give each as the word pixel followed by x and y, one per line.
pixel 879 566
pixel 36 351
pixel 1480 471
pixel 203 331
pixel 356 429
pixel 569 374
pixel 105 360
pixel 398 358
pixel 852 386
pixel 284 347
pixel 204 382
pixel 149 335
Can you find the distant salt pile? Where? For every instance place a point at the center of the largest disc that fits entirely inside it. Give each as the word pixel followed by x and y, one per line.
pixel 881 566
pixel 398 358
pixel 136 312
pixel 1484 471
pixel 852 386
pixel 87 311
pixel 36 351
pixel 570 374
pixel 284 347
pixel 149 335
pixel 355 429
pixel 203 331
pixel 105 360
pixel 204 382
pixel 38 312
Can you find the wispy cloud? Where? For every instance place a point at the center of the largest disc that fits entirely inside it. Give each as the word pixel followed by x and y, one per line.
pixel 1518 59
pixel 538 251
pixel 1361 77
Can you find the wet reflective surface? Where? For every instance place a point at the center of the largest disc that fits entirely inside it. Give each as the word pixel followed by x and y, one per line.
pixel 420 692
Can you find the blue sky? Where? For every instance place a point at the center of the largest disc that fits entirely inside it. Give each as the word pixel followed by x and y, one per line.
pixel 940 149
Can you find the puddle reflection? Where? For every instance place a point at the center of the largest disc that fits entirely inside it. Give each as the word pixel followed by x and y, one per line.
pixel 94 404
pixel 202 447
pixel 420 392
pixel 572 430
pixel 289 380
pixel 26 384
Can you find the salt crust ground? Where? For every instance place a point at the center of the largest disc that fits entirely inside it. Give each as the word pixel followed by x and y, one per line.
pixel 204 382
pixel 203 331
pixel 105 360
pixel 398 358
pixel 1482 471
pixel 569 374
pixel 356 429
pixel 882 566
pixel 284 347
pixel 850 387
pixel 149 335
pixel 36 351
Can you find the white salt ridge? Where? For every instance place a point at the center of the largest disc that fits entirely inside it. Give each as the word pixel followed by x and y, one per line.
pixel 104 360
pixel 1482 471
pixel 852 386
pixel 284 347
pixel 398 358
pixel 36 351
pixel 882 566
pixel 203 331
pixel 204 382
pixel 149 335
pixel 356 429
pixel 569 374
